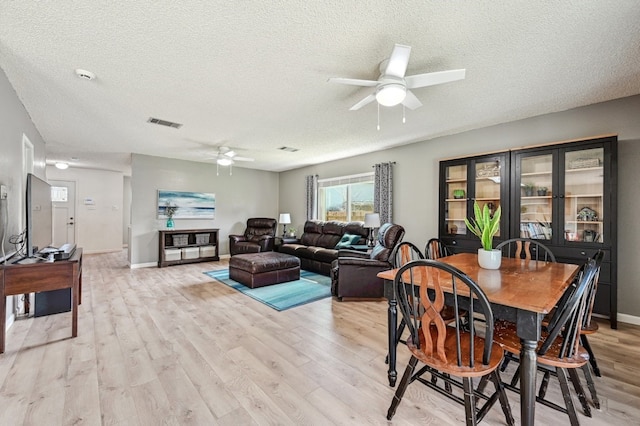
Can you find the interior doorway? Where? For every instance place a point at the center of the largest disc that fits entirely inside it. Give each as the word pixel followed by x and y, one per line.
pixel 63 196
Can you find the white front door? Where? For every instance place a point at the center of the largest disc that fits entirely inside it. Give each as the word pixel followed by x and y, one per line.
pixel 63 194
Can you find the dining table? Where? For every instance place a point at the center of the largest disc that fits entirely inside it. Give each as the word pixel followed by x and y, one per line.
pixel 521 291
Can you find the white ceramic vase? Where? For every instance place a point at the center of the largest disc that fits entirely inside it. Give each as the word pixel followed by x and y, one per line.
pixel 489 259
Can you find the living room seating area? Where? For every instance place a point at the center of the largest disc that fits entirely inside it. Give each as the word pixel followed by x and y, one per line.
pixel 258 237
pixel 319 244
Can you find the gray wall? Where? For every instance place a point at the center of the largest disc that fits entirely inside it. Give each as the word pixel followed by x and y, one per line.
pixel 247 193
pixel 416 174
pixel 14 122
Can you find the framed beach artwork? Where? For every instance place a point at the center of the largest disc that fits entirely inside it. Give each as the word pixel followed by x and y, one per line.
pixel 186 205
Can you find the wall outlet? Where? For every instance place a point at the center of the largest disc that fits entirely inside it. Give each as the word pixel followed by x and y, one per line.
pixel 3 192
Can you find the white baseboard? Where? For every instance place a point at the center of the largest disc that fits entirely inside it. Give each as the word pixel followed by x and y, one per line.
pixel 143 265
pixel 629 319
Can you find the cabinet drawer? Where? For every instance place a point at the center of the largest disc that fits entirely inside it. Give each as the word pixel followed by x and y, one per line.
pixel 578 255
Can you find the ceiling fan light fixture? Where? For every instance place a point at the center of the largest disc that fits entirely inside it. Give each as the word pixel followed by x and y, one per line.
pixel 391 94
pixel 224 161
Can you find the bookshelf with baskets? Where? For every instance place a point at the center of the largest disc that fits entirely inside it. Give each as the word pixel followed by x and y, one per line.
pixel 180 246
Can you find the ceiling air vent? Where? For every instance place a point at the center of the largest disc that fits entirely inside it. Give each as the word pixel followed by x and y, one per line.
pixel 164 123
pixel 288 149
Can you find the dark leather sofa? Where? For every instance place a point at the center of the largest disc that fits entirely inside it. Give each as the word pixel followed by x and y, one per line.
pixel 258 237
pixel 355 273
pixel 317 246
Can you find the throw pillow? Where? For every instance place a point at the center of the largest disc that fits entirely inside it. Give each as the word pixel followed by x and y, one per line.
pixel 347 241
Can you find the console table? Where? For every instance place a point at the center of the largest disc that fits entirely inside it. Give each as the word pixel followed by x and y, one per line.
pixel 41 276
pixel 179 246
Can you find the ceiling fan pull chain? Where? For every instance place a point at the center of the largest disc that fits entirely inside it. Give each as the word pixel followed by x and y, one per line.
pixel 404 120
pixel 378 116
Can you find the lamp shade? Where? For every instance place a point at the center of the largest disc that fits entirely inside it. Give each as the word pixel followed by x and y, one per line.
pixel 285 218
pixel 371 220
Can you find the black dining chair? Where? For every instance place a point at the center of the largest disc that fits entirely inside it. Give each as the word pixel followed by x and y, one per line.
pixel 559 349
pixel 435 249
pixel 526 248
pixel 448 352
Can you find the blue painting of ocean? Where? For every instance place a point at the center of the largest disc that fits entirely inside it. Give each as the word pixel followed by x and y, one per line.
pixel 190 205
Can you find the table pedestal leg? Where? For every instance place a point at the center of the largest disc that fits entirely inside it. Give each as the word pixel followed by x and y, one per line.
pixel 528 368
pixel 393 325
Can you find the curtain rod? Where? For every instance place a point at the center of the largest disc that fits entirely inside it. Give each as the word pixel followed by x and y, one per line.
pixel 388 162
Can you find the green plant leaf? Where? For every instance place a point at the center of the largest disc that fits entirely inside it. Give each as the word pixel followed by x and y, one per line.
pixel 483 225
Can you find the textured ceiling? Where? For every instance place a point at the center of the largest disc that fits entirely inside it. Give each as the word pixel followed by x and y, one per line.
pixel 253 74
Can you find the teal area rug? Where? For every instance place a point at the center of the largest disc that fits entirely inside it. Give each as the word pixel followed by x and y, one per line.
pixel 309 288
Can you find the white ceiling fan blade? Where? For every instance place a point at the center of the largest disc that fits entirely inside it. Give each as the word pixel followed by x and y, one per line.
pixel 398 61
pixel 365 101
pixel 353 81
pixel 433 78
pixel 410 101
pixel 243 159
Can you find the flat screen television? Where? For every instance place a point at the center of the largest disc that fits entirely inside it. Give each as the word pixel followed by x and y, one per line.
pixel 39 215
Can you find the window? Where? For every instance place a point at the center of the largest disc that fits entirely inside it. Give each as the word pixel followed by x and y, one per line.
pixel 346 198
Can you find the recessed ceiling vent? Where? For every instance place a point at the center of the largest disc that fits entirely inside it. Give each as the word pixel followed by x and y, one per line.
pixel 164 123
pixel 288 149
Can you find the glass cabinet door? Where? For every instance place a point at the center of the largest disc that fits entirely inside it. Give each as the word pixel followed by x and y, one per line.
pixel 536 207
pixel 487 185
pixel 584 195
pixel 456 199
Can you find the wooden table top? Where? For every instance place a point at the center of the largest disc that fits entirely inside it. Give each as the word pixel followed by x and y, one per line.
pixel 524 284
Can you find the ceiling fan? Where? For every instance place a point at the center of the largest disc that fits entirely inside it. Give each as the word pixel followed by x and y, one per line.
pixel 392 87
pixel 227 157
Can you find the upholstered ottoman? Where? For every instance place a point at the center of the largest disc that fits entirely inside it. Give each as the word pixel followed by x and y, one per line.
pixel 264 268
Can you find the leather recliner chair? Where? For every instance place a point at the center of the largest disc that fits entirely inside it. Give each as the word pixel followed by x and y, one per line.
pixel 354 273
pixel 258 237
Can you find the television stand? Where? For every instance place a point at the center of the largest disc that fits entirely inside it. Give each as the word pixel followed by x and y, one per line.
pixel 39 276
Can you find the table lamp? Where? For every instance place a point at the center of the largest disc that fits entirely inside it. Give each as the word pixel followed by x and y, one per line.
pixel 285 219
pixel 371 221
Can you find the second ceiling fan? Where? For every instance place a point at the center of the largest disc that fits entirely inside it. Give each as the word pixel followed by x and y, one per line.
pixel 392 87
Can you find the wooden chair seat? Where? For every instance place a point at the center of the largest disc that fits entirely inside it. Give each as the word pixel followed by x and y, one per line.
pixel 589 329
pixel 506 335
pixel 451 365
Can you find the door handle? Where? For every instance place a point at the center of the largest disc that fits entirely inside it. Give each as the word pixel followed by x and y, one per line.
pixel 69 223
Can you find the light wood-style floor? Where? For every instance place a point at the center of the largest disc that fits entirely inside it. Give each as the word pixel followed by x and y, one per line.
pixel 172 346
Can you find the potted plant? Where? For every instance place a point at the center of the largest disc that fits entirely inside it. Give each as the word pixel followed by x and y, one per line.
pixel 485 227
pixel 291 232
pixel 542 190
pixel 528 189
pixel 458 193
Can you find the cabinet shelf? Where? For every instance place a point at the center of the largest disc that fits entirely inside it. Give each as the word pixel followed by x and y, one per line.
pixel 528 174
pixel 585 169
pixel 584 196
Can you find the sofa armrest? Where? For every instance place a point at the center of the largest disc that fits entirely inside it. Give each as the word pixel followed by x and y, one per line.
pixel 356 261
pixel 353 253
pixel 237 238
